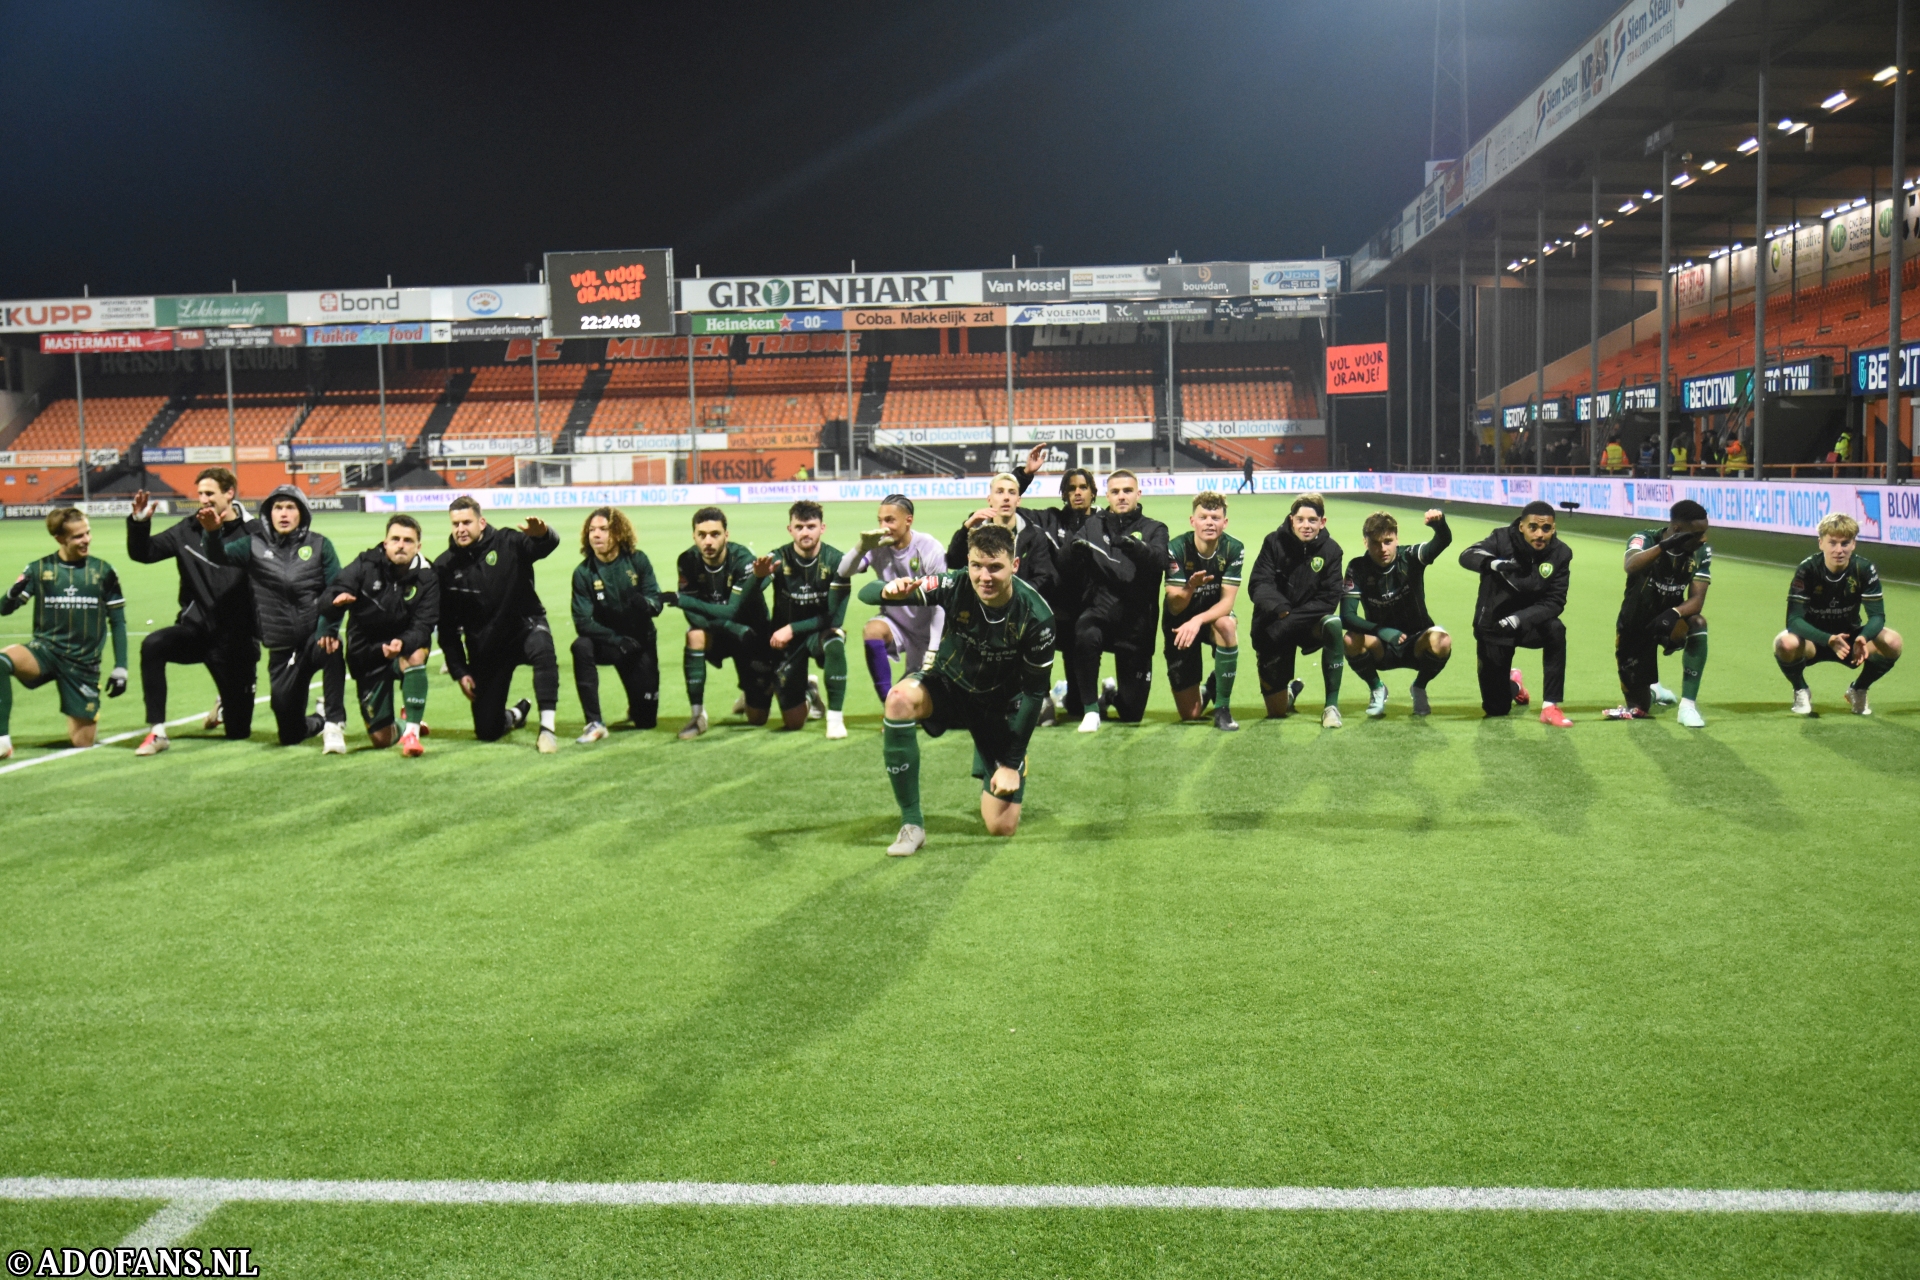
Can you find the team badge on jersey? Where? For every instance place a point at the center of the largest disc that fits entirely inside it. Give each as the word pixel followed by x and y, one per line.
pixel 305 553
pixel 493 557
pixel 1546 571
pixel 1319 563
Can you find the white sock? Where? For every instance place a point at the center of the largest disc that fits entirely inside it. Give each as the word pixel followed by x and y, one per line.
pixel 546 721
pixel 1545 705
pixel 836 718
pixel 1686 702
pixel 159 731
pixel 699 709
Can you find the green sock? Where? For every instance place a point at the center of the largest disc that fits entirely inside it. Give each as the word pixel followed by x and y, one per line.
pixel 1364 668
pixel 900 748
pixel 413 693
pixel 6 694
pixel 1225 663
pixel 1795 672
pixel 1693 660
pixel 834 666
pixel 1333 658
pixel 695 666
pixel 1870 670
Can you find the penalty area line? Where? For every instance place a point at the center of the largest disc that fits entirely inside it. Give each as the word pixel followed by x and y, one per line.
pixel 186 1197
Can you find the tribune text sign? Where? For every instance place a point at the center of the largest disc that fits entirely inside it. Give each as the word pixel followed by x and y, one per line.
pixel 1360 369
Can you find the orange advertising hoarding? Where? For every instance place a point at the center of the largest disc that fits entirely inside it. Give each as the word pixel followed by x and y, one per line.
pixel 1360 369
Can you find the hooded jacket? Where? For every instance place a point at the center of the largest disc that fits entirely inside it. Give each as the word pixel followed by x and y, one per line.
pixel 214 596
pixel 487 598
pixel 289 572
pixel 1291 576
pixel 1533 590
pixel 1120 559
pixel 1068 590
pixel 391 602
pixel 1031 546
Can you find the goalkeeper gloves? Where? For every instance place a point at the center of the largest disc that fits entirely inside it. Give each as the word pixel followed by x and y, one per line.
pixel 117 682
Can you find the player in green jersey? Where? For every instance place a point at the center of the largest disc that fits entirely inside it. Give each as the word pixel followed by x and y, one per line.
pixel 1203 581
pixel 808 617
pixel 76 605
pixel 615 600
pixel 989 677
pixel 716 587
pixel 1823 618
pixel 1668 573
pixel 1384 611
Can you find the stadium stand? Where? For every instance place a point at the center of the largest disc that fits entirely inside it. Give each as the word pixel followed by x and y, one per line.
pixel 499 404
pixel 113 422
pixel 353 414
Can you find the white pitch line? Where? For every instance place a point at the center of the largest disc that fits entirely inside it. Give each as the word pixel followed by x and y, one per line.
pixel 217 1191
pixel 173 1223
pixel 65 752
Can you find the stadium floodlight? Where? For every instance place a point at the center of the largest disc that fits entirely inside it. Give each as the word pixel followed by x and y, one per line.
pixel 1682 179
pixel 1748 147
pixel 1837 101
pixel 1789 126
pixel 1628 206
pixel 1606 222
pixel 1885 75
pixel 1858 202
pixel 1712 166
pixel 1583 230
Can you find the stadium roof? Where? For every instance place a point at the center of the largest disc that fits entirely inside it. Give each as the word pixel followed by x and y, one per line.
pixel 1836 145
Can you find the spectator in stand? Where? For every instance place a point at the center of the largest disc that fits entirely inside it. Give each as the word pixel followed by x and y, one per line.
pixel 1649 456
pixel 1734 463
pixel 1679 452
pixel 1843 448
pixel 1613 458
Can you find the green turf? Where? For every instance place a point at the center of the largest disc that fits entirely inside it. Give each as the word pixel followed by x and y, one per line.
pixel 1402 953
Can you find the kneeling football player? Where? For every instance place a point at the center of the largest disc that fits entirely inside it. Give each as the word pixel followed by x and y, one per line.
pixel 76 605
pixel 988 677
pixel 1385 610
pixel 1829 591
pixel 1668 573
pixel 392 601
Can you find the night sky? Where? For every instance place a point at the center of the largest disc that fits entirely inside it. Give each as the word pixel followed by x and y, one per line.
pixel 160 148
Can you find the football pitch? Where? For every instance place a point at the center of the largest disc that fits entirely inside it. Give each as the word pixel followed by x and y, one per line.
pixel 1405 954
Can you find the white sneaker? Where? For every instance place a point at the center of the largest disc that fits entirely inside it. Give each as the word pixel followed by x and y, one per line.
pixel 1802 702
pixel 910 841
pixel 836 725
pixel 1049 713
pixel 1377 702
pixel 1090 722
pixel 214 717
pixel 1059 691
pixel 1294 690
pixel 695 727
pixel 594 733
pixel 1330 718
pixel 816 704
pixel 1857 699
pixel 1109 691
pixel 6 746
pixel 1690 716
pixel 152 745
pixel 1663 696
pixel 1421 707
pixel 740 705
pixel 547 743
pixel 333 740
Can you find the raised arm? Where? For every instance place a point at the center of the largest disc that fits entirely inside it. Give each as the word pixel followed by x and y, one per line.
pixel 1429 551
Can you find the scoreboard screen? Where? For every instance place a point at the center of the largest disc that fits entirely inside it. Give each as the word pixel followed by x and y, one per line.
pixel 610 292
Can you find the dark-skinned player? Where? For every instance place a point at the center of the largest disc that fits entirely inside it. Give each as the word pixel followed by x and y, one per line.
pixel 1668 572
pixel 1523 570
pixel 1385 610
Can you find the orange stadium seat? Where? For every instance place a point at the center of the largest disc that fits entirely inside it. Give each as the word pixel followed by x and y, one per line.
pixel 113 422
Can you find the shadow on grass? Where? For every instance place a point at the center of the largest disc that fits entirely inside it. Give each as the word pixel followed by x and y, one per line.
pixel 1540 778
pixel 797 980
pixel 1708 775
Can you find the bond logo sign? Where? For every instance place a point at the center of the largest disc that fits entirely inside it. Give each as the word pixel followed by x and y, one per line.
pixel 1355 370
pixel 622 291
